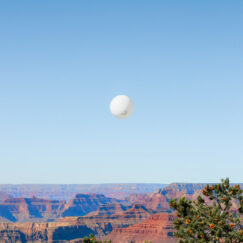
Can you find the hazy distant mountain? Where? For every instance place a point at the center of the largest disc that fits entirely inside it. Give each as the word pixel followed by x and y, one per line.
pixel 66 192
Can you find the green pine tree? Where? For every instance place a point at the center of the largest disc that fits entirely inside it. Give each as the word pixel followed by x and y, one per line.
pixel 211 218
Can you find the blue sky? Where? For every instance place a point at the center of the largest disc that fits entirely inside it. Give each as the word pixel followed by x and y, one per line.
pixel 61 63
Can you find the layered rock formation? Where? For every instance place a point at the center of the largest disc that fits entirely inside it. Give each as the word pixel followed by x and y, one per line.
pixel 157 228
pixel 42 232
pixel 109 209
pixel 83 204
pixel 176 190
pixel 104 224
pixel 38 210
pixel 154 201
pixel 71 228
pixel 188 188
pixel 136 198
pixel 139 217
pixel 30 209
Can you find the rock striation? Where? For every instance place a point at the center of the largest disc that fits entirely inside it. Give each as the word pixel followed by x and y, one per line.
pixel 41 232
pixel 137 218
pixel 71 228
pixel 39 210
pixel 104 224
pixel 155 201
pixel 157 228
pixel 30 209
pixel 109 209
pixel 83 204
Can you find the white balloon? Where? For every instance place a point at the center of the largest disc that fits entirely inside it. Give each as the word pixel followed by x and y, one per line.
pixel 121 106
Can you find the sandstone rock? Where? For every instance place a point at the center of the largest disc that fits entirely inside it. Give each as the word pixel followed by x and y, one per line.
pixel 71 228
pixel 158 228
pixel 83 204
pixel 109 209
pixel 104 224
pixel 30 209
pixel 154 201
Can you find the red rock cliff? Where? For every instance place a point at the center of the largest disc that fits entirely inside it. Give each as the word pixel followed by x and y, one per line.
pixel 157 228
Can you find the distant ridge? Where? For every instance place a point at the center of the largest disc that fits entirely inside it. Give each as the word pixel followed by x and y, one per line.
pixel 190 188
pixel 68 191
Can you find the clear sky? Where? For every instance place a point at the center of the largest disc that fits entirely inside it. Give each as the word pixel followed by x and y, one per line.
pixel 61 63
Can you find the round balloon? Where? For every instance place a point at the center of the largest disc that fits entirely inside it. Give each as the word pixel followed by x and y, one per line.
pixel 121 106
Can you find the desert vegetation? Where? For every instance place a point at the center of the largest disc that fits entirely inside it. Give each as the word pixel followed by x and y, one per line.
pixel 92 239
pixel 216 215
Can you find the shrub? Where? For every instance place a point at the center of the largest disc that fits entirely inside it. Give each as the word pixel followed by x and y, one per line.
pixel 92 239
pixel 216 215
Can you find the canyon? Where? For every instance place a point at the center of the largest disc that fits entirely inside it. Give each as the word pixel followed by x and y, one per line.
pixel 135 217
pixel 71 228
pixel 157 228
